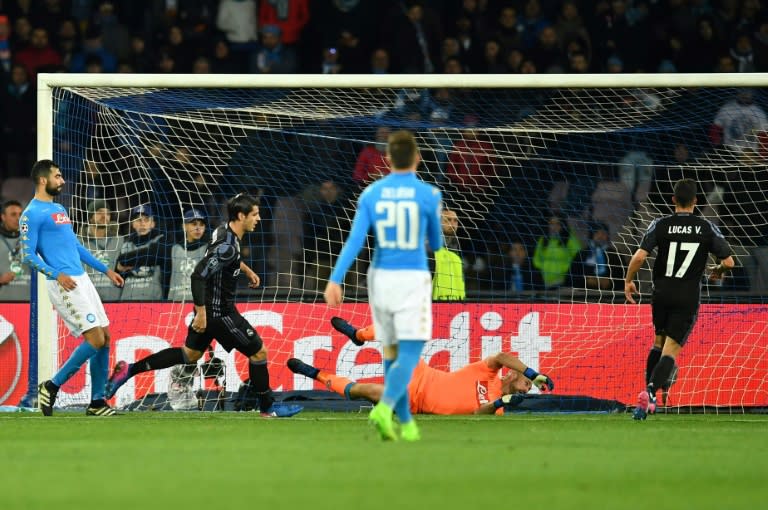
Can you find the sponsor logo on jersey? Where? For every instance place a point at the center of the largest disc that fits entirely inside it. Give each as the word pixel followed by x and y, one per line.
pixel 482 392
pixel 60 218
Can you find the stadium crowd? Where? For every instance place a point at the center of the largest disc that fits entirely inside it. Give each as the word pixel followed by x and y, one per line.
pixel 349 36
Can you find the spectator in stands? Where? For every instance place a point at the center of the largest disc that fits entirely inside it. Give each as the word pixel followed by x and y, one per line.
pixel 330 64
pixel 493 59
pixel 725 64
pixel 201 65
pixel 6 55
pixel 222 62
pixel 139 57
pixel 14 277
pixel 597 266
pixel 237 19
pixel 547 54
pixel 21 33
pixel 143 277
pixel 38 55
pixel 17 104
pixel 371 162
pixel 760 46
pixel 93 46
pixel 100 238
pixel 555 252
pixel 509 30
pixel 414 36
pixel 448 271
pixel 290 16
pixel 515 60
pixel 115 36
pixel 743 54
pixel 614 65
pixel 379 61
pixel 533 22
pixel 471 161
pixel 578 63
pixel 635 170
pixel 179 49
pixel 326 224
pixel 273 56
pixel 519 274
pixel 701 54
pixel 739 124
pixel 570 27
pixel 67 41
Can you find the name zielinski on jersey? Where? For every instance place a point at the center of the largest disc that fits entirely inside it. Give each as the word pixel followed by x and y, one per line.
pixel 682 229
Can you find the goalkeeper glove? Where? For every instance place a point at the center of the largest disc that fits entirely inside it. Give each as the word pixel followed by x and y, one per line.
pixel 539 380
pixel 511 400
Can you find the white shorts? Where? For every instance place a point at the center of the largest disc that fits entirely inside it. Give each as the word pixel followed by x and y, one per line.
pixel 401 304
pixel 79 308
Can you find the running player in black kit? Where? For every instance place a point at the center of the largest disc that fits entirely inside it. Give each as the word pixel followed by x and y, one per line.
pixel 214 284
pixel 684 242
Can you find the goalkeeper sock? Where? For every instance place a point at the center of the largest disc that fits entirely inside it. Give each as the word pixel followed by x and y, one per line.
pixel 650 364
pixel 401 371
pixel 99 371
pixel 335 383
pixel 163 359
pixel 83 353
pixel 661 373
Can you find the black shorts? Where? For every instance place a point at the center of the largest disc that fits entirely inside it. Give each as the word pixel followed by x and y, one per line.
pixel 673 318
pixel 231 331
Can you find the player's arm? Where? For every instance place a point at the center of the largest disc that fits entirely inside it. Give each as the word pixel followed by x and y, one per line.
pixel 434 228
pixel 505 400
pixel 30 229
pixel 361 224
pixel 722 250
pixel 214 261
pixel 151 254
pixel 635 263
pixel 507 360
pixel 253 278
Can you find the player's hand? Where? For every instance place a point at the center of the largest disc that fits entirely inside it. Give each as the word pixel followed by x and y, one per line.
pixel 253 279
pixel 715 272
pixel 332 294
pixel 512 399
pixel 544 383
pixel 6 278
pixel 629 291
pixel 66 281
pixel 115 278
pixel 199 323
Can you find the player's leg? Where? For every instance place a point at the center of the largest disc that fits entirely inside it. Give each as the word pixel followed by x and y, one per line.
pixel 78 311
pixel 99 365
pixel 351 332
pixel 654 355
pixel 646 403
pixel 192 350
pixel 336 383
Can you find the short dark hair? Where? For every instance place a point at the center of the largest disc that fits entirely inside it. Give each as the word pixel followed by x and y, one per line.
pixel 240 203
pixel 402 149
pixel 685 192
pixel 42 169
pixel 9 203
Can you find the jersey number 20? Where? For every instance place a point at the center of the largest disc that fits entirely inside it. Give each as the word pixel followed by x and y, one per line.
pixel 689 248
pixel 404 217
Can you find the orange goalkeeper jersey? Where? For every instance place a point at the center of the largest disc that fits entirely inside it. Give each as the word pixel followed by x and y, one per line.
pixel 435 391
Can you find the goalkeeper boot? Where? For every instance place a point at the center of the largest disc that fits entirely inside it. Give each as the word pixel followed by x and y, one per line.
pixel 410 431
pixel 381 418
pixel 99 408
pixel 347 329
pixel 46 397
pixel 120 374
pixel 299 367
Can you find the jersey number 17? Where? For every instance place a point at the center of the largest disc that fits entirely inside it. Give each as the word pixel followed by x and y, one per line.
pixel 689 248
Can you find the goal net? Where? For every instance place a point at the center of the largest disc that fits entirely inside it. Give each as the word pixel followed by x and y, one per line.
pixel 553 184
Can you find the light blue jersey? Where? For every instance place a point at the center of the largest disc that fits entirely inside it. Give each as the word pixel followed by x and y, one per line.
pixel 403 211
pixel 48 243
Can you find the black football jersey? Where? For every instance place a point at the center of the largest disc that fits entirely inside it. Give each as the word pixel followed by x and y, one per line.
pixel 219 268
pixel 684 242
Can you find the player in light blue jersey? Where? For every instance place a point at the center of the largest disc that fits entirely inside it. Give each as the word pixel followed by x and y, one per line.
pixel 402 210
pixel 49 245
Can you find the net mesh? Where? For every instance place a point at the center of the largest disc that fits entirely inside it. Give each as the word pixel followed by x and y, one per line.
pixel 516 165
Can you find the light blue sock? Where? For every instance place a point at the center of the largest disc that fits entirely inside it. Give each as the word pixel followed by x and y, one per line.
pixel 387 366
pixel 399 375
pixel 403 408
pixel 99 369
pixel 83 353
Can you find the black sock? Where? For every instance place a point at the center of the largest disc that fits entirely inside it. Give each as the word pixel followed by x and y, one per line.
pixel 259 376
pixel 650 364
pixel 661 373
pixel 163 359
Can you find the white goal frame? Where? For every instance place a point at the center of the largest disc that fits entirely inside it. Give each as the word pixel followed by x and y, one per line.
pixel 46 317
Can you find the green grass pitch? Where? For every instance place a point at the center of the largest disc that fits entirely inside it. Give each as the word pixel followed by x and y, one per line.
pixel 321 460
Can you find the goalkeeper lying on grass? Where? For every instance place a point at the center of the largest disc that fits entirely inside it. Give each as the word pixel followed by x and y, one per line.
pixel 477 388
